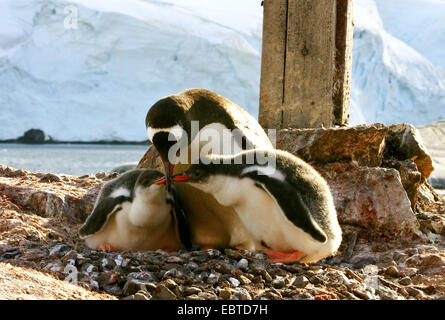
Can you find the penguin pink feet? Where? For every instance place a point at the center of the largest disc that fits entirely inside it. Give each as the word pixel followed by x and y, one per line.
pixel 106 247
pixel 283 257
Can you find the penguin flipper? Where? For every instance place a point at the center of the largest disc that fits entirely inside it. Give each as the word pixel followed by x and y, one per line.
pixel 291 203
pixel 100 215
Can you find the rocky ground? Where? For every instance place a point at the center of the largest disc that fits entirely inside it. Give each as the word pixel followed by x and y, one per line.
pixel 39 248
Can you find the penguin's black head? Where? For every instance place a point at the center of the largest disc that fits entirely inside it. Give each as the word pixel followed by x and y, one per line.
pixel 166 113
pixel 197 173
pixel 148 177
pixel 164 124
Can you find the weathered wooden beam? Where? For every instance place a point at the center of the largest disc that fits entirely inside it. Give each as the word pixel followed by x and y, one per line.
pixel 306 63
pixel 343 61
pixel 273 63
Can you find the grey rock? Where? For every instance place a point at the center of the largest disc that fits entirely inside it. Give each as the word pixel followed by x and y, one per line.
pixel 406 143
pixel 33 136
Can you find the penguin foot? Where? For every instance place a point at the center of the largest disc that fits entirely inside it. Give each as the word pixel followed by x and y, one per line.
pixel 283 257
pixel 106 247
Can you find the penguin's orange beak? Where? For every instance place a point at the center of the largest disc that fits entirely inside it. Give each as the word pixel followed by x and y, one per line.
pixel 174 178
pixel 181 178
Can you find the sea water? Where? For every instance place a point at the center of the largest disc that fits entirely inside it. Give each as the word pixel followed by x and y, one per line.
pixel 72 159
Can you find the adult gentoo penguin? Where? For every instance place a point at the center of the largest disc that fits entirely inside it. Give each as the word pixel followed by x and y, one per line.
pixel 284 203
pixel 132 212
pixel 187 117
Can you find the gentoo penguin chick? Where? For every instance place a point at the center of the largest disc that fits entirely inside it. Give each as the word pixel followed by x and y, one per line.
pixel 132 213
pixel 189 118
pixel 283 202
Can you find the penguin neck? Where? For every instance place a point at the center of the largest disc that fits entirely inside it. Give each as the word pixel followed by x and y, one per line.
pixel 224 188
pixel 150 208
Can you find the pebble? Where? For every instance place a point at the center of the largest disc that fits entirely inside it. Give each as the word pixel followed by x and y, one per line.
pixel 100 175
pixel 301 282
pixel 279 283
pixel 171 284
pixel 194 297
pixel 225 294
pixel 213 253
pixel 243 264
pixel 213 278
pixel 113 290
pixel 142 295
pixel 316 280
pixel 192 265
pixel 305 296
pixel 132 286
pixel 244 280
pixel 257 279
pixel 223 267
pixel 235 283
pixel 163 293
pixel 232 254
pixel 266 276
pixel 49 178
pixel 271 294
pixel 11 254
pixel 392 271
pixel 207 296
pixel 413 291
pixel 405 281
pixel 241 294
pixel 386 293
pixel 191 290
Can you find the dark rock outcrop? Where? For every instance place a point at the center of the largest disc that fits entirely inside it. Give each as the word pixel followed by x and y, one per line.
pixel 33 136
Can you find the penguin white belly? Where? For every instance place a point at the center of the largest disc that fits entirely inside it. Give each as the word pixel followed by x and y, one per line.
pixel 264 219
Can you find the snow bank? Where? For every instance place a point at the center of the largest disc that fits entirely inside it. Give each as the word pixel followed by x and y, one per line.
pixel 98 81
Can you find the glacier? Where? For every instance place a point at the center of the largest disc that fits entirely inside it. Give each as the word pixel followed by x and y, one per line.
pixel 96 82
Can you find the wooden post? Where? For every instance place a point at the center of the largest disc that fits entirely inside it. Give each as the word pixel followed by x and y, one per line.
pixel 306 63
